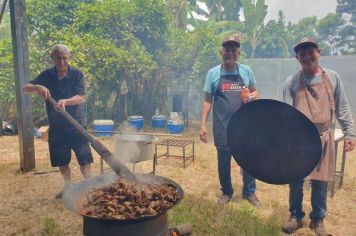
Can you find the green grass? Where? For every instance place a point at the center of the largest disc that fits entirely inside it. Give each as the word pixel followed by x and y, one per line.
pixel 210 218
pixel 51 227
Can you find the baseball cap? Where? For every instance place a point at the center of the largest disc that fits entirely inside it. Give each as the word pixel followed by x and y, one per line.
pixel 305 41
pixel 231 39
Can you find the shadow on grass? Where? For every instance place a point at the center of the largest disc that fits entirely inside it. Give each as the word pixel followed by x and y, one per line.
pixel 210 218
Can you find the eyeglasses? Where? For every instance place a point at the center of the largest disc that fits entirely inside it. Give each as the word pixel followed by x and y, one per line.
pixel 309 49
pixel 230 49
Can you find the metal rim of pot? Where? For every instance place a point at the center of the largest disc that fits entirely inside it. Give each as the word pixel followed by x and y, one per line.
pixel 72 194
pixel 137 137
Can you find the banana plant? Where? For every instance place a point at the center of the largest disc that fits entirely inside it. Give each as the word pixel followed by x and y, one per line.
pixel 255 14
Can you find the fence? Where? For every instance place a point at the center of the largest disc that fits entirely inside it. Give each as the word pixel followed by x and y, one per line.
pixel 271 73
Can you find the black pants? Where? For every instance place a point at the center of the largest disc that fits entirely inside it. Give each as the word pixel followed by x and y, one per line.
pixel 61 144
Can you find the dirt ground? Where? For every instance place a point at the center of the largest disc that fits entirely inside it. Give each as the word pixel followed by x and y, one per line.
pixel 28 206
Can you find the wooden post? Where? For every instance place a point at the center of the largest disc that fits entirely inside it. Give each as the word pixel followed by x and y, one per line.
pixel 23 102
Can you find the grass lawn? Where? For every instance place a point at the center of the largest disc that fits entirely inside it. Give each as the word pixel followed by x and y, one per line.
pixel 28 206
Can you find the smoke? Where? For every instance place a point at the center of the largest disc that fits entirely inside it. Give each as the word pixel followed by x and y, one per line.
pixel 126 151
pixel 131 147
pixel 71 194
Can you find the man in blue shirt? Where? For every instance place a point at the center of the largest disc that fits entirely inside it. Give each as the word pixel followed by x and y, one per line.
pixel 224 85
pixel 66 85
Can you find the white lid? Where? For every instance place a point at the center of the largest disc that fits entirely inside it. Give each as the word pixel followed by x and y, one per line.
pixel 103 122
pixel 135 117
pixel 159 117
pixel 173 122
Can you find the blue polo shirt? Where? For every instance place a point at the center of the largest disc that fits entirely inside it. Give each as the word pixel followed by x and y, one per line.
pixel 213 77
pixel 69 86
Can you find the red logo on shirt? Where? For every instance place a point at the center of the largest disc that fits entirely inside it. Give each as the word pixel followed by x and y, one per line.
pixel 230 87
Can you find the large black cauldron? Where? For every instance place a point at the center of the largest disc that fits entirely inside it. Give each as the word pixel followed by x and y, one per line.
pixel 144 226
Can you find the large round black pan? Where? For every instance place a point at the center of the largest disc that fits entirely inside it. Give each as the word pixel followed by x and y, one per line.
pixel 273 141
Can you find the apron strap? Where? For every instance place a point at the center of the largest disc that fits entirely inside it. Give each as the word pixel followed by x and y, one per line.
pixel 327 83
pixel 328 86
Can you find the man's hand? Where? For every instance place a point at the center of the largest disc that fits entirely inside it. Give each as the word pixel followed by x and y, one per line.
pixel 206 107
pixel 43 91
pixel 203 134
pixel 253 94
pixel 349 144
pixel 61 105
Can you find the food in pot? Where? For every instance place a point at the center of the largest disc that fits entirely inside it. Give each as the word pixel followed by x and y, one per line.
pixel 124 200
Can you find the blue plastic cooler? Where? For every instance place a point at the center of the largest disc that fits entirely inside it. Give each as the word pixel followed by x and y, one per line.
pixel 103 127
pixel 136 121
pixel 175 128
pixel 159 121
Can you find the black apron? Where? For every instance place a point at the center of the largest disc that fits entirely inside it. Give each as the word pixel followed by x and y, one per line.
pixel 227 100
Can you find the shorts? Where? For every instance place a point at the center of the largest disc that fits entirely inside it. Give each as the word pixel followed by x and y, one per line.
pixel 60 146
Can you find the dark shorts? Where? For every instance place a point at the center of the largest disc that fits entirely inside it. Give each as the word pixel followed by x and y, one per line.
pixel 61 144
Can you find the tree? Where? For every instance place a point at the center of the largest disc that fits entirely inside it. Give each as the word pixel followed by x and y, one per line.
pixel 121 21
pixel 142 29
pixel 328 29
pixel 182 11
pixel 5 31
pixel 347 34
pixel 150 22
pixel 254 18
pixel 110 41
pixel 50 16
pixel 224 10
pixel 348 7
pixel 275 37
pixel 192 59
pixel 306 27
pixel 7 81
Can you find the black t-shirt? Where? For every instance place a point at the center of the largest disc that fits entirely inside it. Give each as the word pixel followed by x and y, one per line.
pixel 69 86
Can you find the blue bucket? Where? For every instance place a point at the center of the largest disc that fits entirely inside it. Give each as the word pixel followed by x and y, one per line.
pixel 136 121
pixel 159 121
pixel 103 127
pixel 175 128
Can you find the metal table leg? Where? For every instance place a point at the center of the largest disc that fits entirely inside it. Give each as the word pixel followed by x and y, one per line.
pixel 193 151
pixel 184 156
pixel 154 162
pixel 101 165
pixel 343 162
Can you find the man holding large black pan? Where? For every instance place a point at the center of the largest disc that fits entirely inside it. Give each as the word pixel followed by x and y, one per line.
pixel 225 86
pixel 66 85
pixel 319 94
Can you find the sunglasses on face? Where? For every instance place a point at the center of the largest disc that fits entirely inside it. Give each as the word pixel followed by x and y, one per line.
pixel 307 50
pixel 230 49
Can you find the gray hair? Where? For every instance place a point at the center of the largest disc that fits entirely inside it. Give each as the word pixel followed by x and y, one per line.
pixel 59 48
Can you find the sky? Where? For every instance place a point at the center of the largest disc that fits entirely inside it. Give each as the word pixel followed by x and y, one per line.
pixel 294 10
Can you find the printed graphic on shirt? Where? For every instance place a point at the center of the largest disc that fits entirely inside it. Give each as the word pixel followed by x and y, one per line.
pixel 225 87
